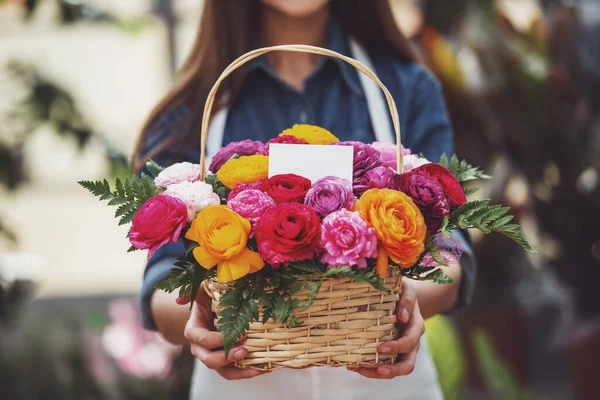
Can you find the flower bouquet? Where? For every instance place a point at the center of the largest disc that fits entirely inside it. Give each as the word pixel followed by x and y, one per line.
pixel 308 271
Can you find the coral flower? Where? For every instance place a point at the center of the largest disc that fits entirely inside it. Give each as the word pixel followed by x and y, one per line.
pixel 399 224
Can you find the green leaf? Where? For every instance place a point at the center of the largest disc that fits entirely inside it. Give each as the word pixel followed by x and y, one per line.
pixel 444 160
pixel 218 187
pixel 153 167
pixel 129 194
pixel 434 250
pixel 480 215
pixel 462 170
pixel 199 274
pixel 470 191
pixel 236 315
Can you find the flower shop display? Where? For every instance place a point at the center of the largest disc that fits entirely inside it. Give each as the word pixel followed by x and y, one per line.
pixel 309 272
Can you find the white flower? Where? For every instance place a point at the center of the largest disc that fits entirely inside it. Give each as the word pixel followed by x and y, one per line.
pixel 178 173
pixel 413 161
pixel 195 195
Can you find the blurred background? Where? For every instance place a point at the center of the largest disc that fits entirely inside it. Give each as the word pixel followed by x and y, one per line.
pixel 78 78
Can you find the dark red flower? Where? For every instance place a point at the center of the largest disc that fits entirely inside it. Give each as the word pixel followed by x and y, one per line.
pixel 288 232
pixel 286 188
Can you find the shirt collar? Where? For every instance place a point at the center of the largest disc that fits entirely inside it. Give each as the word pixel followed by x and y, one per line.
pixel 336 41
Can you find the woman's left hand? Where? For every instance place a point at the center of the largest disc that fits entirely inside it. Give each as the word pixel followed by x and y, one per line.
pixel 407 345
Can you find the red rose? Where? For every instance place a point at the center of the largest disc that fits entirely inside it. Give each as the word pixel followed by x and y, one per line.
pixel 158 221
pixel 288 232
pixel 451 185
pixel 286 188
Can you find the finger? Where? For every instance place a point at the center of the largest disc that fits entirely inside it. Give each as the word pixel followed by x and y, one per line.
pixel 405 365
pixel 233 373
pixel 217 359
pixel 410 338
pixel 370 373
pixel 406 303
pixel 183 300
pixel 199 335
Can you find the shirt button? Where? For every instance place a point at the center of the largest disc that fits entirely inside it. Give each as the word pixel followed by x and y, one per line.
pixel 303 117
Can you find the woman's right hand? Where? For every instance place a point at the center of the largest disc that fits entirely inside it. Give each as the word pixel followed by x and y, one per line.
pixel 206 343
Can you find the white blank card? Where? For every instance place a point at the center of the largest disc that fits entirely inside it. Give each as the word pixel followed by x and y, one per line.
pixel 311 161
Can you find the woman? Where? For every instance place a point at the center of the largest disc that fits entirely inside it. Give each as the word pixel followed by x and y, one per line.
pixel 271 94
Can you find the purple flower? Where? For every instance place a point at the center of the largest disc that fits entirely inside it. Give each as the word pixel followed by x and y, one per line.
pixel 388 153
pixel 330 194
pixel 427 194
pixel 378 178
pixel 244 148
pixel 366 158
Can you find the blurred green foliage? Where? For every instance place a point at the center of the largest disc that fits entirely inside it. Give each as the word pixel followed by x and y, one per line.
pixel 448 356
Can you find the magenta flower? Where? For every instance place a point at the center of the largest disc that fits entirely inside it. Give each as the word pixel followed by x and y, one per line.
pixel 251 204
pixel 284 139
pixel 347 240
pixel 244 148
pixel 330 194
pixel 427 194
pixel 158 221
pixel 388 153
pixel 366 158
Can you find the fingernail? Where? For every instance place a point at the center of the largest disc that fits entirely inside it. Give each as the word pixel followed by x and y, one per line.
pixel 384 371
pixel 253 373
pixel 385 349
pixel 404 315
pixel 238 355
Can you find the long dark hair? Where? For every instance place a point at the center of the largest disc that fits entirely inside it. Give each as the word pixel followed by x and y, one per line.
pixel 228 29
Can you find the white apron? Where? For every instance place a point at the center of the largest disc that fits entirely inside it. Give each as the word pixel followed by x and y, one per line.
pixel 321 382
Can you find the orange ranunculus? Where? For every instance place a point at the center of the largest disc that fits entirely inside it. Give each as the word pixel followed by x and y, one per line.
pixel 399 224
pixel 246 169
pixel 222 236
pixel 311 134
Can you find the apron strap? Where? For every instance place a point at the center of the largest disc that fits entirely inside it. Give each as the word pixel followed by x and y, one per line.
pixel 375 103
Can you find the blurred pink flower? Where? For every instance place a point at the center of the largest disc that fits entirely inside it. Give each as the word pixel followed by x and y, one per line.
pixel 137 352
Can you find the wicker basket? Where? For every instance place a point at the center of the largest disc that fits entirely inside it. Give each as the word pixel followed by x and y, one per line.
pixel 344 327
pixel 347 321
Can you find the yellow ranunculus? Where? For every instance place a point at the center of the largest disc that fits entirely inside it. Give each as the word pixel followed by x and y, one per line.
pixel 246 169
pixel 222 236
pixel 311 134
pixel 399 224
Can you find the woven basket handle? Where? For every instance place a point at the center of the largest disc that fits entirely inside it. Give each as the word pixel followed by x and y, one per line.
pixel 298 48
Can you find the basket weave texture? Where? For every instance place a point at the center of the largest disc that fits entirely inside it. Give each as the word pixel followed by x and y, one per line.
pixel 342 328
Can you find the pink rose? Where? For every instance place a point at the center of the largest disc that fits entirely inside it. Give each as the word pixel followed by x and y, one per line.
pixel 251 204
pixel 388 153
pixel 195 195
pixel 178 173
pixel 158 221
pixel 347 240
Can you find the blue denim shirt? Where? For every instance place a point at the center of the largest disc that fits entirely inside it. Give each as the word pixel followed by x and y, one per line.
pixel 333 98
